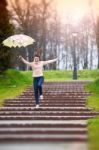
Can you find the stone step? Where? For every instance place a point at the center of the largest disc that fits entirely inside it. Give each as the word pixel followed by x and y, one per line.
pixel 44 102
pixel 45 109
pixel 37 123
pixel 70 87
pixel 44 137
pixel 68 82
pixel 80 87
pixel 57 94
pixel 64 83
pixel 48 100
pixel 57 99
pixel 45 117
pixel 43 130
pixel 71 90
pixel 32 125
pixel 45 105
pixel 62 89
pixel 32 129
pixel 51 113
pixel 61 117
pixel 59 90
pixel 50 97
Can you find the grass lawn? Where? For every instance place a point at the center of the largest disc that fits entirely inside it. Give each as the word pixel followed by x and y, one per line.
pixel 64 75
pixel 93 124
pixel 93 128
pixel 13 82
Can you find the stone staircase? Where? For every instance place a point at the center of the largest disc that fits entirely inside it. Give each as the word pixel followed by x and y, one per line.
pixel 61 117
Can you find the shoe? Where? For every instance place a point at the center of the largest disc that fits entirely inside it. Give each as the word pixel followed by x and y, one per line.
pixel 41 97
pixel 37 106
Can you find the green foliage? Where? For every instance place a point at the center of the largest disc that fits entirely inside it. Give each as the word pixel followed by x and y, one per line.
pixel 57 75
pixel 10 92
pixel 12 77
pixel 6 29
pixel 63 75
pixel 93 87
pixel 13 83
pixel 93 128
pixel 88 73
pixel 93 100
pixel 93 124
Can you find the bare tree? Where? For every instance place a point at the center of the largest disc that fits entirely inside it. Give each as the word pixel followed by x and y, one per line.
pixel 96 27
pixel 44 14
pixel 54 37
pixel 42 22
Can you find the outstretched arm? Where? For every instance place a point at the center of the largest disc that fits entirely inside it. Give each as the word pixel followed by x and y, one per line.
pixel 24 61
pixel 49 61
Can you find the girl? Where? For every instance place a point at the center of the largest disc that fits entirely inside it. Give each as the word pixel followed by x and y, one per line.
pixel 37 67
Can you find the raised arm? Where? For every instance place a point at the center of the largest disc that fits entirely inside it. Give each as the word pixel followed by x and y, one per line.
pixel 24 61
pixel 49 61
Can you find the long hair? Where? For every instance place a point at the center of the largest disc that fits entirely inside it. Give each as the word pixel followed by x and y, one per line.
pixel 38 53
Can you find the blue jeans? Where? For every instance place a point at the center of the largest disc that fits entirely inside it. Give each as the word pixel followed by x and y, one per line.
pixel 38 82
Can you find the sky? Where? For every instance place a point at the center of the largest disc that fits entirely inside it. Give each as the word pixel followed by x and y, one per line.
pixel 77 8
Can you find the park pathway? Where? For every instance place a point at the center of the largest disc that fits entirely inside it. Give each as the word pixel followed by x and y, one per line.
pixel 62 116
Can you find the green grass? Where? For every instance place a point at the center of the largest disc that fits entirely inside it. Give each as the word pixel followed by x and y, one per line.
pixel 93 128
pixel 93 100
pixel 64 75
pixel 13 82
pixel 93 124
pixel 10 92
pixel 67 75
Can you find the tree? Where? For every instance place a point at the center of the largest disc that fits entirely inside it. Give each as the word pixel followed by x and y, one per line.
pixel 53 38
pixel 97 38
pixel 26 21
pixel 41 21
pixel 32 20
pixel 6 29
pixel 96 28
pixel 45 15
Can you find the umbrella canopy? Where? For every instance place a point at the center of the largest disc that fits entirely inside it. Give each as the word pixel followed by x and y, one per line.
pixel 19 40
